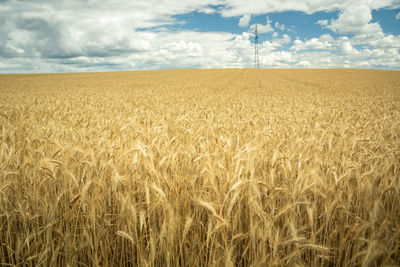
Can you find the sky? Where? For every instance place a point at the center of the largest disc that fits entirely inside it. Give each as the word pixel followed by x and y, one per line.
pixel 42 36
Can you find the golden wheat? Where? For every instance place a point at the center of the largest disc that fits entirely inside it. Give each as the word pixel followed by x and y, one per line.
pixel 200 167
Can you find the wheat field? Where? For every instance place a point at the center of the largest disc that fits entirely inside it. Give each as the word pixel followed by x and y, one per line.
pixel 229 167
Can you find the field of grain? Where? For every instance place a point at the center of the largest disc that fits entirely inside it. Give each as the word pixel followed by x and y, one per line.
pixel 231 167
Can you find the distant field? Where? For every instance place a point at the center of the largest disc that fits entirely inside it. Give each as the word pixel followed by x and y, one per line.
pixel 225 167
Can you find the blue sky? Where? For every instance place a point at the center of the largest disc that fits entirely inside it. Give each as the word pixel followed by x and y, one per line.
pixel 70 36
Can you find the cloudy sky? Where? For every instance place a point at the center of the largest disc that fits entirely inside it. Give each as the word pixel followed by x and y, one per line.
pixel 109 35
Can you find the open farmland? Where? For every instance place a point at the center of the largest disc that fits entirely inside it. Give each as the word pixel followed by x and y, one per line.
pixel 233 167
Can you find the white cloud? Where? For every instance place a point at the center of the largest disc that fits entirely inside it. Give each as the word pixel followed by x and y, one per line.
pixel 398 16
pixel 326 38
pixel 386 42
pixel 279 26
pixel 100 35
pixel 304 64
pixel 191 49
pixel 312 44
pixel 244 21
pixel 263 28
pixel 268 46
pixel 284 40
pixel 345 47
pixel 207 10
pixel 238 7
pixel 357 23
pixel 280 59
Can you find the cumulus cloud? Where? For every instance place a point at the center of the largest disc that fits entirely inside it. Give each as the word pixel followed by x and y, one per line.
pixel 124 35
pixel 263 28
pixel 345 47
pixel 279 26
pixel 304 64
pixel 279 59
pixel 271 54
pixel 387 42
pixel 238 8
pixel 312 44
pixel 326 38
pixel 94 35
pixel 284 40
pixel 244 21
pixel 357 23
pixel 342 46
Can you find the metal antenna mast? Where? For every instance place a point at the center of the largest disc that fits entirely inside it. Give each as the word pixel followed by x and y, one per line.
pixel 256 59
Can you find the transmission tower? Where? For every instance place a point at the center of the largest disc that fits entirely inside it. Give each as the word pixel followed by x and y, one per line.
pixel 256 59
